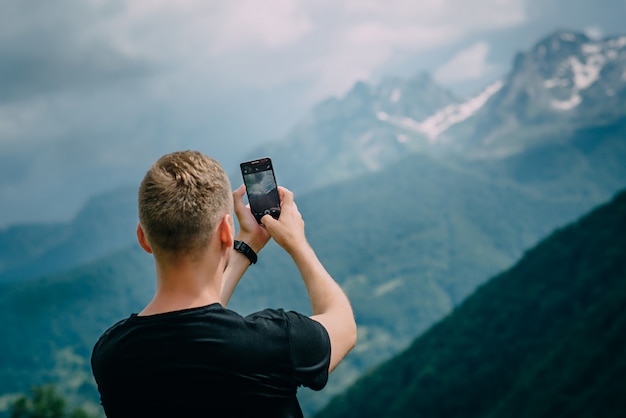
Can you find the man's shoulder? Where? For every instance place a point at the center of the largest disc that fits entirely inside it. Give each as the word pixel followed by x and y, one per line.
pixel 277 313
pixel 295 325
pixel 268 313
pixel 113 329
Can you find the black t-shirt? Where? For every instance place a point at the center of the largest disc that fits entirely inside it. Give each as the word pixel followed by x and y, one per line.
pixel 210 361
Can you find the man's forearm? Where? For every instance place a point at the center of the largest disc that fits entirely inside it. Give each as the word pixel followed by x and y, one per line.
pixel 324 292
pixel 237 266
pixel 250 233
pixel 329 303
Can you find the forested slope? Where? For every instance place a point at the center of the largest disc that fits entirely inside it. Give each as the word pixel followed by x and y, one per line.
pixel 545 338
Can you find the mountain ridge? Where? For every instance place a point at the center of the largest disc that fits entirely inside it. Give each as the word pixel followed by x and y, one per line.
pixel 520 111
pixel 566 81
pixel 405 256
pixel 409 234
pixel 544 337
pixel 105 223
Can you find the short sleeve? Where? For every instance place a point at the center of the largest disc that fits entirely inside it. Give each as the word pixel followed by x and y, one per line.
pixel 310 350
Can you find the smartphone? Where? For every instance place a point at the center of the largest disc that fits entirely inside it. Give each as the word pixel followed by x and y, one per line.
pixel 260 181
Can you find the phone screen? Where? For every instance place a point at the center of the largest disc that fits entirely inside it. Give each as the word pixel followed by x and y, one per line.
pixel 258 176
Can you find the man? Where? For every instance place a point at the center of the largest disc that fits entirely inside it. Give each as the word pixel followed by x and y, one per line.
pixel 185 354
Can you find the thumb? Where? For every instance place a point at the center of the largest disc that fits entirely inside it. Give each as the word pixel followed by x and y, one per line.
pixel 268 222
pixel 238 197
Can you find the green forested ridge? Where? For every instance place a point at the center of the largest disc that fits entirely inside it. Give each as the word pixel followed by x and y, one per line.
pixel 545 338
pixel 45 402
pixel 51 323
pixel 105 224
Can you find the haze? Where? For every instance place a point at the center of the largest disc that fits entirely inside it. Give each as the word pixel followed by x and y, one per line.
pixel 93 91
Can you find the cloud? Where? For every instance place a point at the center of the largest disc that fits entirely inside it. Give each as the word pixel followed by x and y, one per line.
pixel 49 48
pixel 210 28
pixel 105 86
pixel 76 49
pixel 80 44
pixel 468 64
pixel 280 41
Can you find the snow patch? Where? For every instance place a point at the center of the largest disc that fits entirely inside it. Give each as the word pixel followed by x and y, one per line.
pixel 618 43
pixel 574 101
pixel 453 114
pixel 584 70
pixel 555 82
pixel 395 96
pixel 382 116
pixel 450 115
pixel 402 138
pixel 370 151
pixel 387 287
pixel 409 123
pixel 568 36
pixel 591 48
pixel 585 74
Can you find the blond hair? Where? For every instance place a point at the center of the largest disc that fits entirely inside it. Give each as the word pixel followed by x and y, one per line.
pixel 182 198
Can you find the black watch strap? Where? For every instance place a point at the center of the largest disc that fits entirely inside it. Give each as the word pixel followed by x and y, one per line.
pixel 244 249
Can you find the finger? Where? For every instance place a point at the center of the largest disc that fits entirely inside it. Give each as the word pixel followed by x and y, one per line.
pixel 239 191
pixel 286 195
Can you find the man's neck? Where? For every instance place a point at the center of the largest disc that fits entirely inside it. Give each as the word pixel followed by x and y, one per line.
pixel 168 302
pixel 185 286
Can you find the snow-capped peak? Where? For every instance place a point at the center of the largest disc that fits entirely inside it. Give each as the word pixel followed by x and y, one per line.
pixel 438 123
pixel 580 71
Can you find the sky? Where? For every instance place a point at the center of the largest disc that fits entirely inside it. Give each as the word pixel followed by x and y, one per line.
pixel 93 91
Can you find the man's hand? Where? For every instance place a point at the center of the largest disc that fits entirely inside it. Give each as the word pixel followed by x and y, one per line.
pixel 250 231
pixel 288 229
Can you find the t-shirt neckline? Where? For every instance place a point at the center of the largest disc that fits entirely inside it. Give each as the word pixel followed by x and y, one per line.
pixel 179 312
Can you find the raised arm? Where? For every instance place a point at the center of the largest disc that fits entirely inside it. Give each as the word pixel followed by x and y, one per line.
pixel 329 303
pixel 249 232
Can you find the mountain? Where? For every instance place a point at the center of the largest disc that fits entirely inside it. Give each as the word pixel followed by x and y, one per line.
pixel 566 83
pixel 407 223
pixel 407 243
pixel 106 223
pixel 374 126
pixel 52 322
pixel 343 138
pixel 545 338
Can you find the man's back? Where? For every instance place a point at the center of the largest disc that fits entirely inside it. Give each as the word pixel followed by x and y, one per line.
pixel 185 354
pixel 194 361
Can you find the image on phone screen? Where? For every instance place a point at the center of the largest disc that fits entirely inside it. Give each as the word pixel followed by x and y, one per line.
pixel 261 188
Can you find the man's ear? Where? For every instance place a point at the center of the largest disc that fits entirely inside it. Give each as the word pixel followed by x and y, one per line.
pixel 226 231
pixel 143 241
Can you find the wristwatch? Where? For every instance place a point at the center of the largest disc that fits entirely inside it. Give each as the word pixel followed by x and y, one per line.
pixel 244 249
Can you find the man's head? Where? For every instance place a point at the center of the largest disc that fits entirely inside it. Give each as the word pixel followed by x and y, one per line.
pixel 182 199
